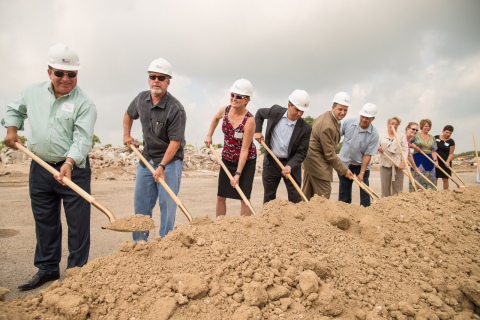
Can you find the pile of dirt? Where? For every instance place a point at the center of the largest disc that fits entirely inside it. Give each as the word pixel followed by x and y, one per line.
pixel 136 222
pixel 413 256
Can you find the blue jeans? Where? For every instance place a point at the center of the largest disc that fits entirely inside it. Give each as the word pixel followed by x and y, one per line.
pixel 147 191
pixel 345 187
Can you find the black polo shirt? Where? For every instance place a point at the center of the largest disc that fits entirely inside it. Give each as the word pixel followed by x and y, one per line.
pixel 161 123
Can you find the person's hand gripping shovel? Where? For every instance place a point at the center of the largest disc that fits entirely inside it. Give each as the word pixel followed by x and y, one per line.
pixel 163 183
pixel 237 187
pixel 127 224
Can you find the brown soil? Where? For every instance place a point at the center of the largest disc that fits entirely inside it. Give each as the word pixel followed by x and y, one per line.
pixel 137 222
pixel 413 256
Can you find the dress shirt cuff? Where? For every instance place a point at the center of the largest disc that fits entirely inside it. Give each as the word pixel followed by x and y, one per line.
pixel 13 122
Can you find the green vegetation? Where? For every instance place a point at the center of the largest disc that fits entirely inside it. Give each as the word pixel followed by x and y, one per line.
pixel 2 144
pixel 338 147
pixel 468 154
pixel 216 146
pixel 95 140
pixel 309 120
pixel 108 145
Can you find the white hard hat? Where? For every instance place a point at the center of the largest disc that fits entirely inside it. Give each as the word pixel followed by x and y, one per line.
pixel 243 87
pixel 300 99
pixel 342 98
pixel 369 110
pixel 61 57
pixel 161 65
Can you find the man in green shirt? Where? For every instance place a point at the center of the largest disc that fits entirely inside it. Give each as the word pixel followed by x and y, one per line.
pixel 61 120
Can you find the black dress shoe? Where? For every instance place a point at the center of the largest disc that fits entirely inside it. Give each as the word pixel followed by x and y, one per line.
pixel 38 281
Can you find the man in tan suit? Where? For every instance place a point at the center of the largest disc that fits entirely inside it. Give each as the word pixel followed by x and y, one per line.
pixel 321 156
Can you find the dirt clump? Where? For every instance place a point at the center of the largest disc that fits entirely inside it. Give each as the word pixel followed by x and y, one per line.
pixel 137 222
pixel 412 256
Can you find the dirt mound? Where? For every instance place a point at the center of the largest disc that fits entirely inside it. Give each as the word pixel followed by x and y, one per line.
pixel 414 256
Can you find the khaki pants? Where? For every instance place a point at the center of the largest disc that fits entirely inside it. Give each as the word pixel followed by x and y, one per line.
pixel 315 186
pixel 390 187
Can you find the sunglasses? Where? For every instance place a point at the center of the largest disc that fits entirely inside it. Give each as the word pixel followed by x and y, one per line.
pixel 237 96
pixel 159 78
pixel 61 74
pixel 413 129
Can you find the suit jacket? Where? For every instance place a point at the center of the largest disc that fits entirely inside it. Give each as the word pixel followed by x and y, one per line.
pixel 298 146
pixel 321 156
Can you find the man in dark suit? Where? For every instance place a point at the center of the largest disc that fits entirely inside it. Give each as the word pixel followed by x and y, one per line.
pixel 287 135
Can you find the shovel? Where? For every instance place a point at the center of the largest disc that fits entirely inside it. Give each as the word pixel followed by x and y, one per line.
pixel 115 224
pixel 405 172
pixel 363 186
pixel 163 183
pixel 399 145
pixel 289 176
pixel 439 168
pixel 476 157
pixel 369 189
pixel 242 195
pixel 453 171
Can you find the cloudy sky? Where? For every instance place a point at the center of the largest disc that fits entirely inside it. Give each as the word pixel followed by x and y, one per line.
pixel 413 59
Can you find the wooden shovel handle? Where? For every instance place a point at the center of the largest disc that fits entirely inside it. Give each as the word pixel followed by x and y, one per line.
pixel 476 157
pixel 439 168
pixel 237 187
pixel 399 145
pixel 453 171
pixel 68 182
pixel 282 167
pixel 363 187
pixel 369 189
pixel 405 172
pixel 163 183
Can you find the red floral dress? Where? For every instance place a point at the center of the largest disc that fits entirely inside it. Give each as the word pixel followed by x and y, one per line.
pixel 231 145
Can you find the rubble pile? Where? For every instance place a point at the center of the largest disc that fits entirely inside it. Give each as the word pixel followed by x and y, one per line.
pixel 119 163
pixel 413 256
pixel 194 159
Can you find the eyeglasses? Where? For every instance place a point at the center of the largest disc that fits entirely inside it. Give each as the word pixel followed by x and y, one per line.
pixel 413 129
pixel 61 74
pixel 159 78
pixel 237 96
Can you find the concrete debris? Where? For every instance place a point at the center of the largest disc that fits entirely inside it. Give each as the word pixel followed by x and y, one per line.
pixel 201 160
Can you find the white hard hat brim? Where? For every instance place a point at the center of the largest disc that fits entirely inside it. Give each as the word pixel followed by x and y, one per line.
pixel 366 115
pixel 64 67
pixel 342 103
pixel 235 90
pixel 302 108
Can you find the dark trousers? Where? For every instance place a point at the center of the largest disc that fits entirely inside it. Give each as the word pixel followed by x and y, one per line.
pixel 46 196
pixel 345 187
pixel 271 176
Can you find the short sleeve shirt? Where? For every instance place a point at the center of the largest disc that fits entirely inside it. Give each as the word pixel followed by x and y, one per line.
pixel 357 142
pixel 161 123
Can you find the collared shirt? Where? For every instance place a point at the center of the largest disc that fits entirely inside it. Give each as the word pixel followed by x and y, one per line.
pixel 339 122
pixel 161 123
pixel 357 142
pixel 391 149
pixel 281 135
pixel 59 128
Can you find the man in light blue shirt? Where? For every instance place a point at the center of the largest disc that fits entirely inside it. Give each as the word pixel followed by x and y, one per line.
pixel 61 119
pixel 359 145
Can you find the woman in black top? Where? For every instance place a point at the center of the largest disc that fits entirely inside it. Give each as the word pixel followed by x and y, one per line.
pixel 446 147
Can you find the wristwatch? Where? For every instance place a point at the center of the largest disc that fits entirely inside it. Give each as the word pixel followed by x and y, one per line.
pixel 161 165
pixel 238 173
pixel 69 163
